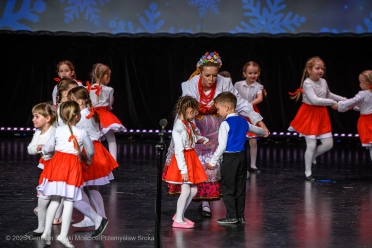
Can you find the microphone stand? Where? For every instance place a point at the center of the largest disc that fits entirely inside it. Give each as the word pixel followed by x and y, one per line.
pixel 159 165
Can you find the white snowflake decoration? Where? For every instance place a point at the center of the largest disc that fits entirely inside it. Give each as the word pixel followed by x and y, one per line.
pixel 268 19
pixel 88 7
pixel 205 6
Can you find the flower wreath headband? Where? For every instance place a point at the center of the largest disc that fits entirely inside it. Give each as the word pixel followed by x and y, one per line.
pixel 208 57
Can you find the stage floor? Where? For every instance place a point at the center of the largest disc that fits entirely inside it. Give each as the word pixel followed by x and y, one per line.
pixel 282 209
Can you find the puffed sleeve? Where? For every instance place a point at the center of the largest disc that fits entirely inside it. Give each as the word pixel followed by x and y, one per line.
pixel 243 107
pixel 179 151
pixel 32 146
pixel 88 145
pixel 313 98
pixel 54 95
pixel 111 99
pixel 50 147
pixel 344 106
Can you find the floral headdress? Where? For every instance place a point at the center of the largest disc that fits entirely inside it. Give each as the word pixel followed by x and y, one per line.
pixel 212 57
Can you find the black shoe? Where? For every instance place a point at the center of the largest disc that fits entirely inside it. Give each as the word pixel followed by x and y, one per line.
pixel 254 170
pixel 310 178
pixel 241 220
pixel 227 221
pixel 204 213
pixel 100 229
pixel 33 234
pixel 314 167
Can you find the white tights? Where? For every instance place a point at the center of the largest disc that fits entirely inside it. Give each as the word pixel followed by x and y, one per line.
pixel 188 191
pixel 42 207
pixel 313 151
pixel 97 200
pixel 84 207
pixel 253 152
pixel 111 141
pixel 68 206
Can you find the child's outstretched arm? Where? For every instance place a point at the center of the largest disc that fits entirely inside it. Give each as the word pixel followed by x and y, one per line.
pixel 257 130
pixel 352 103
pixel 222 143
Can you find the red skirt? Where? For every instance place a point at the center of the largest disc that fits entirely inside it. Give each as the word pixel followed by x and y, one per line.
pixel 250 134
pixel 102 163
pixel 64 167
pixel 195 169
pixel 109 121
pixel 365 129
pixel 312 120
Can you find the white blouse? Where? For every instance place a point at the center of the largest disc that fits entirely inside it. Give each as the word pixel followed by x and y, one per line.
pixel 317 93
pixel 58 141
pixel 106 97
pixel 248 92
pixel 40 139
pixel 243 107
pixel 360 102
pixel 181 142
pixel 55 90
pixel 89 125
pixel 59 119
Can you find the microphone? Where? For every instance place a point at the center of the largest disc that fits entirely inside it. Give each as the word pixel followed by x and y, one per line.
pixel 163 123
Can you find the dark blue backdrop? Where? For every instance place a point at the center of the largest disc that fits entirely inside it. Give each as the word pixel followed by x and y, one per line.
pixel 190 16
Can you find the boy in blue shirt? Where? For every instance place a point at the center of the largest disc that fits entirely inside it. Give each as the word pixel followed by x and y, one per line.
pixel 231 140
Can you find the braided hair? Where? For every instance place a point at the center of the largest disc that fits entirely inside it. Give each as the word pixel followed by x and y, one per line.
pixel 182 105
pixel 81 93
pixel 69 110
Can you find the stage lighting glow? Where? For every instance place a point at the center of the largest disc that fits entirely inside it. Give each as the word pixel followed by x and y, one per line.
pixel 28 129
pixel 342 135
pixel 349 135
pixel 138 130
pixel 8 128
pixel 150 131
pixel 274 133
pixel 281 133
pixel 336 134
pixel 131 130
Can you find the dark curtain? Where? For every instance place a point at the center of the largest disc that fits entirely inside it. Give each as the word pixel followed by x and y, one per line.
pixel 147 70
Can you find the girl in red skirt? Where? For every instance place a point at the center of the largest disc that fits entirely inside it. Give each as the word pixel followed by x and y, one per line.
pixel 102 97
pixel 100 171
pixel 44 118
pixel 253 91
pixel 185 167
pixel 362 102
pixel 312 120
pixel 63 176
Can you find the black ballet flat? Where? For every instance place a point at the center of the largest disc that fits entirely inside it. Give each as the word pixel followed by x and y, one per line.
pixel 310 178
pixel 314 167
pixel 204 213
pixel 32 234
